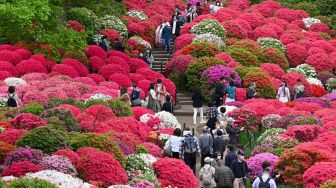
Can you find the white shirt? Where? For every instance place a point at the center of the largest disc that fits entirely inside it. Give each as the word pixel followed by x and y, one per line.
pixel 153 93
pixel 264 177
pixel 175 143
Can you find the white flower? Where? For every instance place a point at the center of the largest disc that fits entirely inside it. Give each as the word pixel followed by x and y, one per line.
pixel 271 42
pixel 59 179
pixel 209 26
pixel 148 158
pixel 308 70
pixel 310 21
pixel 112 22
pixel 141 41
pixel 314 81
pixel 8 178
pixel 297 70
pixel 162 137
pixel 168 119
pixel 146 117
pixel 99 96
pixel 13 81
pixel 138 14
pixel 211 38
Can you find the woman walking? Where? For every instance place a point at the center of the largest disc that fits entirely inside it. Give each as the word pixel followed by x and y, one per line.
pixel 283 93
pixel 207 174
pixel 152 100
pixel 172 146
pixel 148 57
pixel 161 92
pixel 197 99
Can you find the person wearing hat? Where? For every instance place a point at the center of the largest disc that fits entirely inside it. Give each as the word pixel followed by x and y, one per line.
pixel 265 179
pixel 166 36
pixel 206 144
pixel 207 174
pixel 240 170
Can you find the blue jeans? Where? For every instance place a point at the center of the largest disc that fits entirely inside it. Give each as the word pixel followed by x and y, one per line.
pixel 166 42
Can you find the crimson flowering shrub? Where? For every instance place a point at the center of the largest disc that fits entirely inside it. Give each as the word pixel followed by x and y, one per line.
pixel 303 133
pixel 80 68
pixel 71 155
pixel 94 50
pixel 96 113
pixel 327 138
pixel 96 63
pixel 111 34
pixel 12 135
pixel 261 108
pixel 273 55
pixel 30 66
pixel 107 70
pixel 255 20
pixel 149 74
pixel 75 25
pixel 245 118
pixel 27 121
pixel 118 54
pixel 320 27
pixel 183 40
pixel 267 30
pixel 96 77
pixel 127 141
pixel 168 170
pixel 130 124
pixel 234 29
pixel 135 78
pixel 136 64
pixel 319 173
pixel 139 111
pixel 200 49
pixel 304 106
pixel 5 149
pixel 121 79
pixel 178 64
pixel 318 91
pixel 7 66
pixel 118 61
pixel 265 87
pixel 64 70
pixel 273 70
pixel 24 53
pixel 153 149
pixel 73 109
pixel 24 154
pixel 10 56
pixel 224 56
pixel 18 169
pixel 288 14
pixel 101 167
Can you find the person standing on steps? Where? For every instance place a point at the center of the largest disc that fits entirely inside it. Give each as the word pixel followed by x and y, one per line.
pixel 223 176
pixel 168 105
pixel 219 92
pixel 189 149
pixel 148 57
pixel 158 35
pixel 207 174
pixel 197 103
pixel 240 171
pixel 161 92
pixel 135 96
pixel 230 155
pixel 206 144
pixel 166 36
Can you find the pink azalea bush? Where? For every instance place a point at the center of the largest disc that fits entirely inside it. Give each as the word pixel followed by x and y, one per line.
pixel 254 163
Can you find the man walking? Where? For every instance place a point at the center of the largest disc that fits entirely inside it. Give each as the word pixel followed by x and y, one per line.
pixel 166 36
pixel 189 149
pixel 223 176
pixel 206 144
pixel 265 180
pixel 240 170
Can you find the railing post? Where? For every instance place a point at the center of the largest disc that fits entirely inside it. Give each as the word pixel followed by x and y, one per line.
pixel 193 131
pixel 183 127
pixel 161 67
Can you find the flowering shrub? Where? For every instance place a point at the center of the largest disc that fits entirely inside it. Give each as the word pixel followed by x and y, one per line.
pixel 5 149
pixel 68 153
pixel 200 49
pixel 24 154
pixel 127 145
pixel 80 68
pixel 178 64
pixel 303 133
pixel 139 111
pixel 153 149
pixel 329 184
pixel 168 119
pixel 323 169
pixel 265 87
pixel 94 50
pixel 95 165
pixel 183 40
pixel 270 132
pixel 273 70
pixel 61 118
pixel 331 84
pixel 27 121
pixel 112 22
pixel 320 61
pixel 271 43
pixel 244 57
pixel 12 135
pixel 65 70
pixel 293 119
pixel 167 169
pixel 210 38
pixel 245 118
pixel 254 163
pixel 273 55
pixel 18 169
pixel 37 183
pixel 326 138
pixel 58 163
pixel 75 25
pixel 30 66
pixel 121 79
pixel 96 112
pixel 209 26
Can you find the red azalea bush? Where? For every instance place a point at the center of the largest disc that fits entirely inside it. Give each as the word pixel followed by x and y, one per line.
pixel 65 70
pixel 135 78
pixel 71 155
pixel 94 50
pixel 224 56
pixel 95 165
pixel 96 63
pixel 245 118
pixel 183 40
pixel 118 54
pixel 97 113
pixel 317 91
pixel 327 138
pixel 7 66
pixel 303 133
pixel 73 109
pixel 12 135
pixel 107 70
pixel 200 49
pixel 273 55
pixel 24 53
pixel 30 66
pixel 4 75
pixel 255 20
pixel 118 61
pixel 320 27
pixel 121 79
pixel 291 78
pixel 96 77
pixel 305 106
pixel 139 111
pixel 27 121
pixel 319 173
pixel 261 108
pixel 149 74
pixel 273 70
pixel 265 87
pixel 10 56
pixel 169 173
pixel 129 140
pixel 5 149
pixel 136 64
pixel 153 149
pixel 111 34
pixel 75 25
pixel 319 61
pixel 130 124
pixel 178 64
pixel 80 68
pixel 20 169
pixel 234 29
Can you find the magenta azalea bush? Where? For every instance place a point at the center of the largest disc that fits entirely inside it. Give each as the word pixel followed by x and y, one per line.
pixel 255 162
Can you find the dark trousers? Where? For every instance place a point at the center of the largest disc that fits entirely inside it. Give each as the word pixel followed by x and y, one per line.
pixel 190 160
pixel 176 155
pixel 166 43
pixel 203 157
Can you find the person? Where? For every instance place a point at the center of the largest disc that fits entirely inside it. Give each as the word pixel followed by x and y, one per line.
pixel 212 7
pixel 148 57
pixel 188 13
pixel 12 99
pixel 197 103
pixel 118 46
pixel 251 91
pixel 168 105
pixel 207 174
pixel 299 90
pixel 219 143
pixel 211 115
pixel 172 146
pixel 199 9
pixel 230 91
pixel 158 35
pixel 104 43
pixel 233 131
pixel 240 171
pixel 165 37
pixel 152 100
pixel 230 156
pixel 206 144
pixel 177 10
pixel 222 118
pixel 283 93
pixel 265 179
pixel 223 176
pixel 135 96
pixel 216 157
pixel 177 23
pixel 219 92
pixel 125 97
pixel 161 92
pixel 189 149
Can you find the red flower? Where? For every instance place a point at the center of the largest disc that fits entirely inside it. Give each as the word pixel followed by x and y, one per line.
pixel 183 41
pixel 273 70
pixel 94 50
pixel 135 78
pixel 296 54
pixel 5 149
pixel 224 56
pixel 71 155
pixel 8 67
pixel 327 139
pixel 12 135
pixel 319 173
pixel 80 68
pixel 21 168
pixel 96 77
pixel 303 133
pixel 96 113
pixel 288 14
pixel 317 91
pixel 27 121
pixel 320 27
pixel 121 79
pixel 4 75
pixel 111 34
pixel 65 70
pixel 178 64
pixel 129 124
pixel 30 66
pixel 96 63
pixel 136 64
pixel 10 56
pixel 234 29
pixel 153 149
pixel 107 70
pixel 319 61
pixel 118 61
pixel 255 20
pixel 24 53
pixel 144 85
pixel 118 54
pixel 139 111
pixel 75 25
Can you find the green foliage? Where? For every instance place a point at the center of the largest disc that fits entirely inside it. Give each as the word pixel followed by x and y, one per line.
pixel 243 56
pixel 60 118
pixel 251 46
pixel 136 163
pixel 84 16
pixel 45 138
pixel 196 68
pixel 243 71
pixel 180 81
pixel 119 108
pixel 310 8
pixel 275 56
pixel 99 141
pixel 265 87
pixel 29 183
pixel 324 7
pixel 92 102
pixel 54 102
pixel 141 149
pixel 34 108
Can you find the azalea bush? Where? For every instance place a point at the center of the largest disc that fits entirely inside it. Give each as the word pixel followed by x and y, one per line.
pixel 275 56
pixel 37 183
pixel 269 133
pixel 58 163
pixel 245 118
pixel 244 57
pixel 254 163
pixel 331 84
pixel 212 39
pixel 303 133
pixel 209 26
pixel 310 178
pixel 200 49
pixel 27 121
pixel 271 42
pixel 5 149
pixel 19 169
pixel 112 22
pixel 12 135
pixel 270 121
pixel 265 87
pixel 294 119
pixel 24 154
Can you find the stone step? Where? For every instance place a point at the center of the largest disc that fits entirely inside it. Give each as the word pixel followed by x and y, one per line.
pixel 185 102
pixel 184 94
pixel 161 59
pixel 184 98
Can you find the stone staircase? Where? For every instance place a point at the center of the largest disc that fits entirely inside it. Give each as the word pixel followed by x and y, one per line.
pixel 161 58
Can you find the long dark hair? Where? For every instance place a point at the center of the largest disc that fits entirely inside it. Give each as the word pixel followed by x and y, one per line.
pixel 123 91
pixel 151 86
pixel 197 92
pixel 284 87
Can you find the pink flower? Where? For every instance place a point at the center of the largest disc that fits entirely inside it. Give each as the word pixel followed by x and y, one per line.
pixel 80 68
pixel 27 121
pixel 75 25
pixel 30 66
pixel 121 79
pixel 65 70
pixel 273 70
pixel 96 77
pixel 111 34
pixel 8 67
pixel 136 64
pixel 96 63
pixel 183 41
pixel 107 70
pixel 94 50
pixel 153 149
pixel 118 61
pixel 296 54
pixel 24 53
pixel 319 173
pixel 10 56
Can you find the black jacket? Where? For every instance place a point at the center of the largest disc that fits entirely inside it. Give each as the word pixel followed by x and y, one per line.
pixel 224 177
pixel 197 101
pixel 234 168
pixel 233 131
pixel 119 47
pixel 219 90
pixel 219 145
pixel 168 107
pixel 229 158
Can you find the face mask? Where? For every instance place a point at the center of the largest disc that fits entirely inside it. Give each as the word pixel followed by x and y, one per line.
pixel 242 157
pixel 219 157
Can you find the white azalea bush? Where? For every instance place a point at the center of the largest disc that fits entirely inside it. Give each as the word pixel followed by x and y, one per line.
pixel 138 14
pixel 141 41
pixel 13 81
pixel 148 158
pixel 309 70
pixel 268 42
pixel 112 22
pixel 270 121
pixel 209 26
pixel 168 119
pixel 152 121
pixel 297 70
pixel 314 81
pixel 331 84
pixel 310 21
pixel 210 38
pixel 99 96
pixel 59 179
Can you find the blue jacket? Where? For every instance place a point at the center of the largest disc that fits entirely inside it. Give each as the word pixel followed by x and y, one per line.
pixel 234 168
pixel 166 33
pixel 135 94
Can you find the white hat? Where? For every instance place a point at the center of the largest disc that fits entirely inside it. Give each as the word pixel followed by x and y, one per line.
pixel 167 24
pixel 207 160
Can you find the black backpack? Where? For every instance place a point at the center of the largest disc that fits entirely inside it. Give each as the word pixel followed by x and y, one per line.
pixel 11 102
pixel 265 184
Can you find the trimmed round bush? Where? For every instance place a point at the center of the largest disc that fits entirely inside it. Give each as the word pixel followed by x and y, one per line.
pixel 46 139
pixel 113 22
pixel 197 67
pixel 268 42
pixel 265 87
pixel 273 55
pixel 5 149
pixel 119 108
pixel 200 49
pixel 34 108
pixel 20 169
pixel 36 183
pixel 58 163
pixel 61 118
pixel 24 154
pixel 243 71
pixel 209 26
pixel 27 121
pixel 251 46
pixel 71 155
pixel 243 56
pixel 12 135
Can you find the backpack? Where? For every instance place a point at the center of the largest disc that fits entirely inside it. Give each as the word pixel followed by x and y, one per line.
pixel 265 184
pixel 206 176
pixel 190 144
pixel 206 149
pixel 11 102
